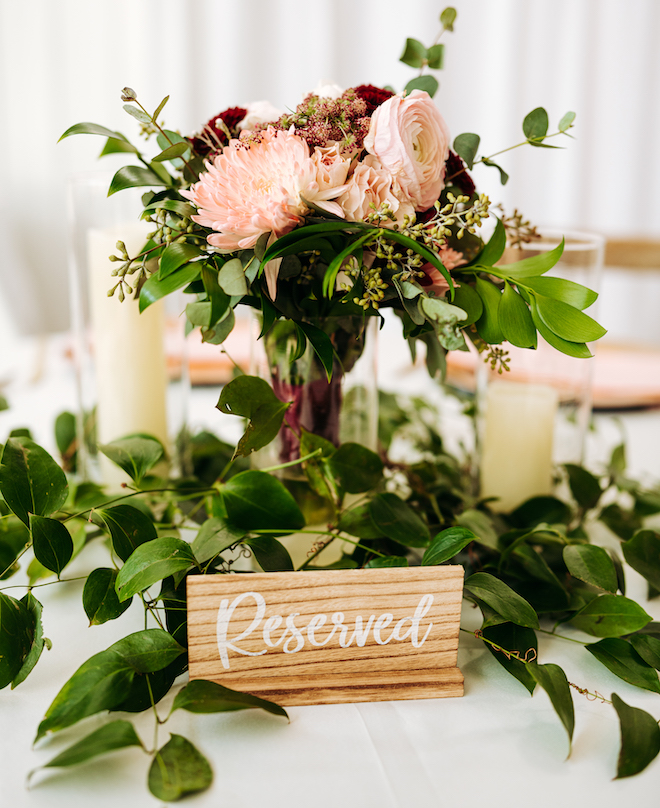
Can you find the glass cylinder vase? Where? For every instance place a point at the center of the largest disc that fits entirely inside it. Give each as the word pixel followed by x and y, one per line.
pixel 536 415
pixel 131 371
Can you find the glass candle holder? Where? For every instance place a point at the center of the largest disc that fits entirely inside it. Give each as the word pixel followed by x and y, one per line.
pixel 536 414
pixel 120 354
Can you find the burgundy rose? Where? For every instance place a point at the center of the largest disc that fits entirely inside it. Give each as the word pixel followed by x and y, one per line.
pixel 372 96
pixel 456 174
pixel 212 138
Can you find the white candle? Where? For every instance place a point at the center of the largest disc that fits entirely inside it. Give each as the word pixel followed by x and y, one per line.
pixel 130 365
pixel 516 457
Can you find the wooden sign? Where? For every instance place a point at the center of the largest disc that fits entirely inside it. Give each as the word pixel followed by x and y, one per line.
pixel 331 636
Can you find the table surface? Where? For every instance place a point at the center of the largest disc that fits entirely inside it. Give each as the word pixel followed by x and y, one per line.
pixel 495 746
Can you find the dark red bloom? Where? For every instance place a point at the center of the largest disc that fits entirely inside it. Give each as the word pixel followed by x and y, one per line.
pixel 456 174
pixel 211 138
pixel 372 96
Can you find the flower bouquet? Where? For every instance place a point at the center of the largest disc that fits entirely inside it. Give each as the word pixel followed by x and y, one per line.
pixel 321 218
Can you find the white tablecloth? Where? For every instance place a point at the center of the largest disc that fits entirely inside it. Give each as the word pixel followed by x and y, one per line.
pixel 496 746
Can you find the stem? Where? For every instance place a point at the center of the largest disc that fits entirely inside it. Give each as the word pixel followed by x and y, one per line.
pixel 164 134
pixel 561 636
pixel 48 583
pixel 23 551
pixel 315 453
pixel 186 495
pixel 503 151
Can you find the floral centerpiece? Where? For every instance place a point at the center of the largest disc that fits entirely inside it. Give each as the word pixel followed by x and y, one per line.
pixel 321 218
pixel 318 220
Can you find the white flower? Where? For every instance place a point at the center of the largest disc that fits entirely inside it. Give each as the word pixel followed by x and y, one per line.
pixel 328 89
pixel 259 112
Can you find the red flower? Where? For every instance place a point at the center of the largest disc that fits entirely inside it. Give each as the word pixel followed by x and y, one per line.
pixel 212 138
pixel 456 174
pixel 372 96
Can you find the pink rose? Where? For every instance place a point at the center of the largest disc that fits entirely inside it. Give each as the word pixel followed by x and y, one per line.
pixel 369 186
pixel 411 140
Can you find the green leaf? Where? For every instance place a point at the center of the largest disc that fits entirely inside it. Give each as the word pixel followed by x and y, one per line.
pixel 481 525
pixel 137 113
pixel 317 470
pixel 567 322
pixel 321 344
pixel 221 330
pixel 175 256
pixel 446 545
pixel 387 561
pixel 129 528
pixel 154 288
pixel 642 552
pixel 65 432
pixel 523 645
pixel 99 597
pixel 100 683
pixel 356 468
pixel 115 735
pixel 553 680
pixel 358 522
pixel 148 651
pixel 398 521
pixel 535 125
pixel 574 294
pixel 51 542
pixel 172 152
pixel 115 145
pixel 488 324
pixel 592 565
pixel 271 554
pixel 134 177
pixel 152 562
pixel 232 278
pixel 254 399
pixel 466 298
pixel 136 455
pixel 640 738
pixel 435 56
pixel 504 177
pixel 178 769
pixel 290 241
pixel 534 266
pixel 414 54
pixel 330 276
pixel 448 17
pixel 494 249
pixel 30 480
pixel 201 696
pixel 648 647
pixel 426 83
pixel 16 637
pixel 584 486
pixel 214 537
pixel 515 320
pixel 502 599
pixel 466 147
pixel 623 661
pixel 446 320
pixel 623 522
pixel 255 500
pixel 160 107
pixel 576 349
pixel 37 642
pixel 566 122
pixel 611 616
pixel 91 129
pixel 540 509
pixel 175 205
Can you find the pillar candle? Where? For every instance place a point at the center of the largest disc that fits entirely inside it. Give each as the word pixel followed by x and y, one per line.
pixel 516 455
pixel 129 353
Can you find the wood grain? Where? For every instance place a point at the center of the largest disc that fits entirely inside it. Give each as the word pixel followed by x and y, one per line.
pixel 325 664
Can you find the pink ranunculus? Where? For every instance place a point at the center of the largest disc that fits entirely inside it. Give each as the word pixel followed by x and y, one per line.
pixel 411 140
pixel 368 188
pixel 256 188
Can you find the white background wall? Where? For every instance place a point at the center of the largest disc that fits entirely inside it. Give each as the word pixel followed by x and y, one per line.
pixel 64 61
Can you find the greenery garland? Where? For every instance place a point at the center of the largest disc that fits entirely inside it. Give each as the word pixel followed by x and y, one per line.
pixel 529 571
